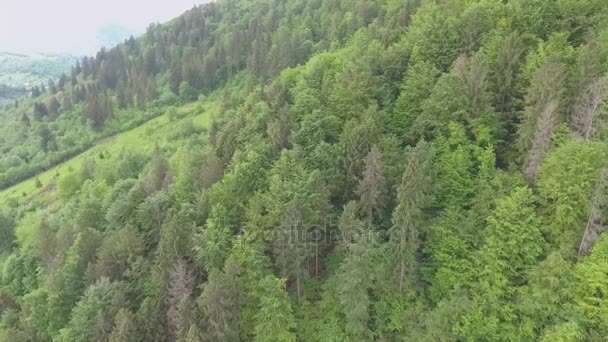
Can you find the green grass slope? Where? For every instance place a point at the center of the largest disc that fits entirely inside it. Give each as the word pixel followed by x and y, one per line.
pixel 144 138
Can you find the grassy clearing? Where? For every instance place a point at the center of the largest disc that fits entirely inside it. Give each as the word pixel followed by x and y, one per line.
pixel 142 138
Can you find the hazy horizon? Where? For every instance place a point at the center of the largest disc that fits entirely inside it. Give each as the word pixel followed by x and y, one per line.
pixel 72 26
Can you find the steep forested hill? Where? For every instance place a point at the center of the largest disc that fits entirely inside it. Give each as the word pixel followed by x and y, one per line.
pixel 374 170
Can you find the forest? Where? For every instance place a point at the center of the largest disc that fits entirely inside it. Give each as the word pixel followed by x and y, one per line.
pixel 367 170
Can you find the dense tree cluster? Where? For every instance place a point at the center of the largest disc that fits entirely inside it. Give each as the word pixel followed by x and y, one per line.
pixel 376 170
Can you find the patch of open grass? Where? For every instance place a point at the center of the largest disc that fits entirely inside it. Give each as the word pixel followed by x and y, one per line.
pixel 142 138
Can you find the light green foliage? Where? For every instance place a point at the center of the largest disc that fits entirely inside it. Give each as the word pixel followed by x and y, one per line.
pixel 565 332
pixel 451 259
pixel 590 285
pixel 513 234
pixel 434 33
pixel 214 240
pixel 413 196
pixel 88 206
pixel 186 91
pixel 243 176
pixel 555 49
pixel 69 186
pixel 274 318
pixel 513 243
pixel 547 300
pixel 19 274
pixel 565 185
pixel 456 165
pixel 447 102
pixel 121 202
pixel 27 229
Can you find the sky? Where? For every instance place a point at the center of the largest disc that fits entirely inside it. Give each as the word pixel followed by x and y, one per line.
pixel 71 26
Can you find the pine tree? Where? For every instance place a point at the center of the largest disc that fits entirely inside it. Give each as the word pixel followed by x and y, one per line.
pixel 372 185
pixel 100 109
pixel 53 105
pixel 589 112
pixel 351 228
pixel 505 71
pixel 220 304
pixel 93 317
pixel 68 283
pixel 40 110
pixel 546 126
pixel 595 223
pixel 545 92
pixel 125 328
pixel 413 197
pixel 181 283
pixel 274 319
pixel 476 78
pixel 512 239
pixel 175 78
pixel 356 276
pixel 151 322
pixel 214 240
pixel 356 273
pixel 194 334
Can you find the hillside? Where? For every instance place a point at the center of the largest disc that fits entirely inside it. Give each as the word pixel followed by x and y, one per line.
pixel 20 73
pixel 317 170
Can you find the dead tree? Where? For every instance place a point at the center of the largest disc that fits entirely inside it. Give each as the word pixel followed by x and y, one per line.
pixel 181 283
pixel 595 226
pixel 545 127
pixel 589 109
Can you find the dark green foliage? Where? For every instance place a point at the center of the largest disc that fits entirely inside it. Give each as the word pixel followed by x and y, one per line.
pixel 125 327
pixel 419 79
pixel 7 233
pixel 93 317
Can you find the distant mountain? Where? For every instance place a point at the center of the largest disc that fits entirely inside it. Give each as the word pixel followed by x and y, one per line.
pixel 112 35
pixel 20 72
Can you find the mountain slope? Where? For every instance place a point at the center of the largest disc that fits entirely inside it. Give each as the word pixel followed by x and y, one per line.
pixel 20 73
pixel 372 170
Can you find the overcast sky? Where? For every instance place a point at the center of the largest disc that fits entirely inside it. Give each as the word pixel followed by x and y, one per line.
pixel 59 26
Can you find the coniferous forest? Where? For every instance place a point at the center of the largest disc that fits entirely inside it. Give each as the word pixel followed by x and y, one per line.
pixel 317 170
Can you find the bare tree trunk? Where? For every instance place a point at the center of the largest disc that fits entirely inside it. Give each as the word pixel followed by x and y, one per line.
pixel 317 259
pixel 401 275
pixel 594 226
pixel 589 108
pixel 298 284
pixel 545 127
